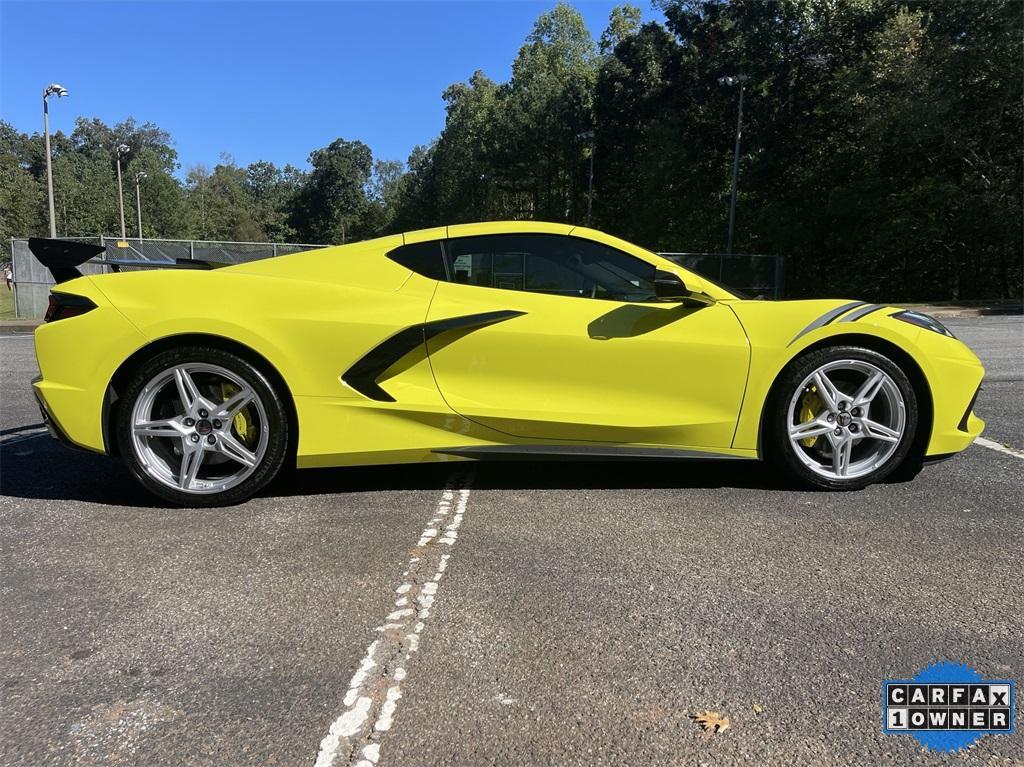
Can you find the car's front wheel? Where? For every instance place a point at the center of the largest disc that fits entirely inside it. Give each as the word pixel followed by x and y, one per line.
pixel 842 418
pixel 201 427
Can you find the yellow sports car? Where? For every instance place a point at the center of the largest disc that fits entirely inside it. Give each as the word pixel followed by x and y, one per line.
pixel 482 341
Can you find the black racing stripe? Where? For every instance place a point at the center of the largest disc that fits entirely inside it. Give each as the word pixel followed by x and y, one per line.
pixel 363 374
pixel 826 318
pixel 862 312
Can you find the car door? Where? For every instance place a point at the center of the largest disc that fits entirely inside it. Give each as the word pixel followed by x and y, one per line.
pixel 568 344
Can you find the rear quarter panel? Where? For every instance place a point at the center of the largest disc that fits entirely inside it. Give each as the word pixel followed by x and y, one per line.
pixel 77 358
pixel 310 315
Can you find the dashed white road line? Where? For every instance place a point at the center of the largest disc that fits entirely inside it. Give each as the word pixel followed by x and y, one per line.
pixel 371 701
pixel 1000 447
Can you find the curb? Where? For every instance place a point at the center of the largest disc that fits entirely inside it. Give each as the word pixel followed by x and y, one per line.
pixel 18 327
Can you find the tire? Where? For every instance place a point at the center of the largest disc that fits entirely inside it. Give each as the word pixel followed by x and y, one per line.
pixel 841 418
pixel 201 427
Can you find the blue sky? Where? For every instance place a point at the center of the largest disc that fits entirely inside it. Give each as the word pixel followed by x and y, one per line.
pixel 261 80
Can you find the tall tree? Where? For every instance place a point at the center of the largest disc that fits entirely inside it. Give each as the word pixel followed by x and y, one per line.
pixel 332 202
pixel 22 197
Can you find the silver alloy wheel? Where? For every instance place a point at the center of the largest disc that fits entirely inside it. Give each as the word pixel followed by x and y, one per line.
pixel 199 428
pixel 857 419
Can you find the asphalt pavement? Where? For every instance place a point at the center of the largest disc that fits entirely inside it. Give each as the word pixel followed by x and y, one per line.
pixel 505 614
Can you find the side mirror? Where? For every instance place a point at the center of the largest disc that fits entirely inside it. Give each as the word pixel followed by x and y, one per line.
pixel 668 286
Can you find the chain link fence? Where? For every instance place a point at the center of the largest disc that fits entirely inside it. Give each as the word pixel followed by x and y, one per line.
pixel 754 275
pixel 32 280
pixel 758 276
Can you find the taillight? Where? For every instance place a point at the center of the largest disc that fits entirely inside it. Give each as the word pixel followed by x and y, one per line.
pixel 64 305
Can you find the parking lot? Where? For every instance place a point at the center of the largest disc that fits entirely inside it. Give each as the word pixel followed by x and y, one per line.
pixel 575 613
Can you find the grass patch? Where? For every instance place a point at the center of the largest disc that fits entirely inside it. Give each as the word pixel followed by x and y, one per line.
pixel 6 303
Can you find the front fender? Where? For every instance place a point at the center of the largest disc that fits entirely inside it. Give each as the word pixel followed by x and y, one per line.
pixel 779 332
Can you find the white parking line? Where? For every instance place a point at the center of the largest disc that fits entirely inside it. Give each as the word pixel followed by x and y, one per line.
pixel 371 700
pixel 1000 447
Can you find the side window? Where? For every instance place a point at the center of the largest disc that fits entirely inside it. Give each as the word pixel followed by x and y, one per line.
pixel 549 263
pixel 425 258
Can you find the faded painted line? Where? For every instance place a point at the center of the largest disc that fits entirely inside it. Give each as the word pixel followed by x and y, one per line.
pixel 1000 447
pixel 375 689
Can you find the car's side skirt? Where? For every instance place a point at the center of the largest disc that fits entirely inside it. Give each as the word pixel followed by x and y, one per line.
pixel 584 453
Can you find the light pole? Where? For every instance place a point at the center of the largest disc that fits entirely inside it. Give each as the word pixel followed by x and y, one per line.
pixel 734 80
pixel 138 201
pixel 119 151
pixel 53 89
pixel 590 183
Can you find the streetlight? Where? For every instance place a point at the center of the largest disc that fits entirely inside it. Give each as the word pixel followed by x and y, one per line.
pixel 138 201
pixel 730 81
pixel 53 89
pixel 120 151
pixel 590 183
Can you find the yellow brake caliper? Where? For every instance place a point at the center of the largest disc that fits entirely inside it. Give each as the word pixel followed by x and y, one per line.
pixel 244 426
pixel 810 406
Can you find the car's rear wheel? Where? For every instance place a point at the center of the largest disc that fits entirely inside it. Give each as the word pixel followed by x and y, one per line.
pixel 201 427
pixel 842 418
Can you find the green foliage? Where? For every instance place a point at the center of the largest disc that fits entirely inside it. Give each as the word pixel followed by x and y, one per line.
pixel 882 148
pixel 227 206
pixel 513 150
pixel 881 144
pixel 22 196
pixel 624 22
pixel 331 204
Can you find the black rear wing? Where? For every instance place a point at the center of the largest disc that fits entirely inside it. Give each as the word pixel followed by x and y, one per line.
pixel 63 257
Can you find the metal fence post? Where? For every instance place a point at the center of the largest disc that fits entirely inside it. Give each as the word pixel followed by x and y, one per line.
pixel 191 250
pixel 14 282
pixel 780 275
pixel 275 250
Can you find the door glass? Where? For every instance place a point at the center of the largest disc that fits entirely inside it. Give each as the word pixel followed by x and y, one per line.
pixel 549 263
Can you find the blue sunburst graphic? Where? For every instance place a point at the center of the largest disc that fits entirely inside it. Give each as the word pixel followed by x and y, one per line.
pixel 947 672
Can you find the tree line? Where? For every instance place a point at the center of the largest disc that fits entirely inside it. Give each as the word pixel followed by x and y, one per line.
pixel 881 149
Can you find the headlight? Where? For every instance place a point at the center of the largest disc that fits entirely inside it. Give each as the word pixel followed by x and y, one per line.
pixel 923 321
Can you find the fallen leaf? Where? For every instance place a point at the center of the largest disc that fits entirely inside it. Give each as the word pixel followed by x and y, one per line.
pixel 711 721
pixel 757 708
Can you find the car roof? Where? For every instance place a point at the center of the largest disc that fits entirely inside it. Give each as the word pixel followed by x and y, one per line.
pixel 486 227
pixel 508 227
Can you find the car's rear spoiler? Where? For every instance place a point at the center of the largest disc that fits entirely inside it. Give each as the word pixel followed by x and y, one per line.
pixel 63 257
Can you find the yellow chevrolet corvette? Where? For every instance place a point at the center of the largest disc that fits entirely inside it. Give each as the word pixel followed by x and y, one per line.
pixel 483 341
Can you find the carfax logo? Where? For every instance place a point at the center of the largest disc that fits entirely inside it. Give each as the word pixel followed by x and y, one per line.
pixel 947 706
